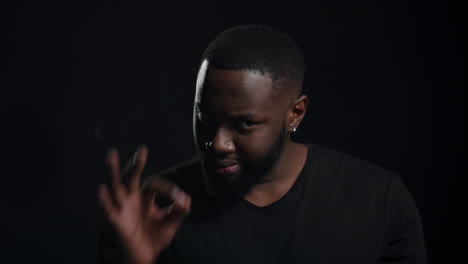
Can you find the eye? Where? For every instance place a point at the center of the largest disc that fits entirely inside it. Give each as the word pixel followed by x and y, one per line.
pixel 247 124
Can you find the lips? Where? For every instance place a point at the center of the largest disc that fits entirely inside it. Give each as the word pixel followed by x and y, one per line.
pixel 229 170
pixel 224 167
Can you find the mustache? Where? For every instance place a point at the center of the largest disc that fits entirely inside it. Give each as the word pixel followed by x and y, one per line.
pixel 212 156
pixel 220 162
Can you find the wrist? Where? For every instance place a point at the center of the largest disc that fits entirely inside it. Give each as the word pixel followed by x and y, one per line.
pixel 135 256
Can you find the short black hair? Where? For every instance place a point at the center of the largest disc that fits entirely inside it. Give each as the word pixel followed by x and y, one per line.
pixel 259 48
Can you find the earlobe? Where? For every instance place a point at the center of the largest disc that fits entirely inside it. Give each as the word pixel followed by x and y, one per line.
pixel 299 109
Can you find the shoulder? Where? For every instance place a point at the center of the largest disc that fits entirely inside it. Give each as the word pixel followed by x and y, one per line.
pixel 354 173
pixel 342 158
pixel 376 193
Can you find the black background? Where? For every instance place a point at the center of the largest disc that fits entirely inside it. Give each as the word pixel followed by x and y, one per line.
pixel 385 80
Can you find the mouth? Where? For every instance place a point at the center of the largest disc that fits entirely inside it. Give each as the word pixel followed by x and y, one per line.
pixel 229 170
pixel 223 167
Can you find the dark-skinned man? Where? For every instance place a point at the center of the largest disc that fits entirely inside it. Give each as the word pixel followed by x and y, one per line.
pixel 252 195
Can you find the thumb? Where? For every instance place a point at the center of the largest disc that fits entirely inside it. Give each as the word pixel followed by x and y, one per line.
pixel 163 190
pixel 181 206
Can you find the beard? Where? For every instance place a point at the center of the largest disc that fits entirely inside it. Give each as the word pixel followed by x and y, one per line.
pixel 251 173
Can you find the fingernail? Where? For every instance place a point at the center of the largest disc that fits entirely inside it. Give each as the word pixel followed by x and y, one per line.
pixel 109 153
pixel 135 155
pixel 178 195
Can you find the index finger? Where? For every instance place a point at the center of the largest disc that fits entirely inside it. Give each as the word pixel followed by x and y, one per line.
pixel 159 186
pixel 163 187
pixel 177 200
pixel 139 162
pixel 113 176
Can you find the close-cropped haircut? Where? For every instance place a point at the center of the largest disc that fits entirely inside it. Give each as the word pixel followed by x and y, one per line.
pixel 260 49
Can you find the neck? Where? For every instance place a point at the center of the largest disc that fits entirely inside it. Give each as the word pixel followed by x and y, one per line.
pixel 282 176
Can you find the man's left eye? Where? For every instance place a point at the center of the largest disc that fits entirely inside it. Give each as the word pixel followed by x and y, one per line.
pixel 248 124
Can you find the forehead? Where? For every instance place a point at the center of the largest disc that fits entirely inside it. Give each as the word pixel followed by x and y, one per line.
pixel 235 89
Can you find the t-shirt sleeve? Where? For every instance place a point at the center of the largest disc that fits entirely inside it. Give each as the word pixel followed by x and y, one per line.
pixel 404 241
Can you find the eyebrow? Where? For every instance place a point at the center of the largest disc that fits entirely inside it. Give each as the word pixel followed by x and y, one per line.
pixel 237 116
pixel 243 116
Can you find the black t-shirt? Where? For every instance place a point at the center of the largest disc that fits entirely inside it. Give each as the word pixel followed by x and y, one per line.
pixel 340 210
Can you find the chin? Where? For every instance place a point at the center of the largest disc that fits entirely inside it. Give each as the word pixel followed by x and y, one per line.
pixel 226 184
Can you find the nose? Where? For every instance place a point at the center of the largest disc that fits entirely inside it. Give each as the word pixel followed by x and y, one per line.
pixel 222 142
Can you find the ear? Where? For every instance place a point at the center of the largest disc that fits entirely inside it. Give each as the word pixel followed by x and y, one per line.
pixel 296 113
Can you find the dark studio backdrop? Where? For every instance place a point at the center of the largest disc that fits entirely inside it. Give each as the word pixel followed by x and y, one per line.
pixel 385 80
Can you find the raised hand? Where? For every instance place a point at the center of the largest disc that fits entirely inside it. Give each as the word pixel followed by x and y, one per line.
pixel 143 228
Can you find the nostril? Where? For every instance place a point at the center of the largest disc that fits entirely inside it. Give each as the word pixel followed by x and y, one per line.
pixel 222 141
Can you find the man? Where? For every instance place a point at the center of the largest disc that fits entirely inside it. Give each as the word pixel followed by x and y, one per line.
pixel 252 195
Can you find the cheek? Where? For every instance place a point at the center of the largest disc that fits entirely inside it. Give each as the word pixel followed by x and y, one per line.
pixel 256 145
pixel 199 134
